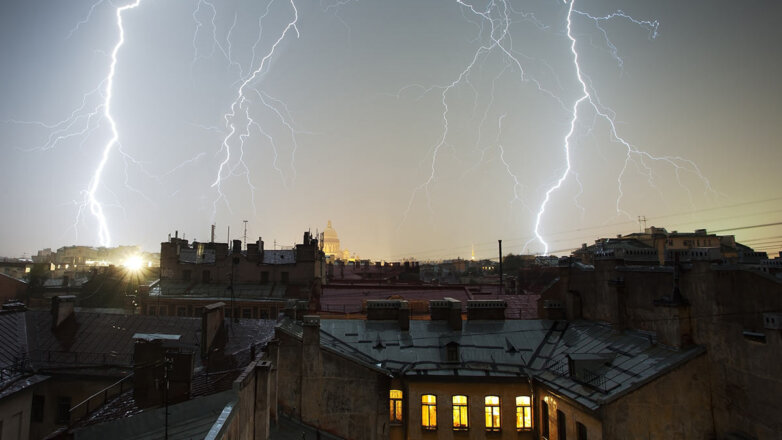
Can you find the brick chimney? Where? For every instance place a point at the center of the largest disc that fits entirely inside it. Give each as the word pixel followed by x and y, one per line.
pixel 62 309
pixel 389 310
pixel 447 309
pixel 486 309
pixel 162 372
pixel 213 334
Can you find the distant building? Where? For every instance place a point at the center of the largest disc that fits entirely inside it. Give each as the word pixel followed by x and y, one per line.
pixel 656 246
pixel 259 281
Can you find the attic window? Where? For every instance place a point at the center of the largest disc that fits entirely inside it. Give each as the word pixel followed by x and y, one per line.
pixel 452 352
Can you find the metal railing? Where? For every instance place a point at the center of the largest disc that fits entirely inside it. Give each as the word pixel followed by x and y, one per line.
pixel 100 398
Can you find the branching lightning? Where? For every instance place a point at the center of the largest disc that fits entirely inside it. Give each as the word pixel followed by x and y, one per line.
pixel 240 107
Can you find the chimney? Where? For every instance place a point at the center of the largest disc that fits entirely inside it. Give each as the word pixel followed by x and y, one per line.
pixel 447 309
pixel 389 310
pixel 162 373
pixel 311 333
pixel 404 316
pixel 62 309
pixel 237 246
pixel 213 335
pixel 486 309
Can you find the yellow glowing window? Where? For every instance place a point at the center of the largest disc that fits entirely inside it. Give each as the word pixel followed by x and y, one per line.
pixel 523 413
pixel 460 413
pixel 492 413
pixel 395 404
pixel 429 411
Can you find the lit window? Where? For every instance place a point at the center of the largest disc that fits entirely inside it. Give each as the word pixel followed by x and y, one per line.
pixel 492 413
pixel 523 413
pixel 460 422
pixel 429 411
pixel 395 403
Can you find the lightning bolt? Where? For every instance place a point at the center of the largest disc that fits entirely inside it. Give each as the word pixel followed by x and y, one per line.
pixel 239 116
pixel 588 95
pixel 497 16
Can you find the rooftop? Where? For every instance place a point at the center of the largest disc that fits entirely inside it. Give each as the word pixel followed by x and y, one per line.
pixel 510 348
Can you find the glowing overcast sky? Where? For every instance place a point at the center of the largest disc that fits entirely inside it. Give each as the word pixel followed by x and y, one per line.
pixel 420 128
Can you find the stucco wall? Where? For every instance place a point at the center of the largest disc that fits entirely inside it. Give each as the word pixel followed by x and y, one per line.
pixel 674 406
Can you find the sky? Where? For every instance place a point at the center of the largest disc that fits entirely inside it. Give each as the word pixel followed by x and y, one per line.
pixel 423 129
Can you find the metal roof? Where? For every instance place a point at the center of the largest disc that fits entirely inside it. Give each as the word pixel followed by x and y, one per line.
pixel 606 363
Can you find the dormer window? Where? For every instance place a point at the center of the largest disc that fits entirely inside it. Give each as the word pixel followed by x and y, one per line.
pixel 452 352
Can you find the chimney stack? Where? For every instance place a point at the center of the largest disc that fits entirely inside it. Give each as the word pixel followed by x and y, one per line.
pixel 447 309
pixel 213 335
pixel 162 373
pixel 486 309
pixel 389 310
pixel 237 246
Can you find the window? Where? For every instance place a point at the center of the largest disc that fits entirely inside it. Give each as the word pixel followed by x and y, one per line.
pixel 544 419
pixel 151 311
pixel 395 404
pixel 492 413
pixel 429 411
pixel 181 311
pixel 523 413
pixel 561 425
pixel 452 352
pixel 581 431
pixel 206 276
pixel 36 413
pixel 265 277
pixel 284 277
pixel 246 313
pixel 460 419
pixel 186 274
pixel 63 410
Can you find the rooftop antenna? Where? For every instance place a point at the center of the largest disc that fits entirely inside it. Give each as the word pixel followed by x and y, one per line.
pixel 245 233
pixel 228 238
pixel 642 221
pixel 213 233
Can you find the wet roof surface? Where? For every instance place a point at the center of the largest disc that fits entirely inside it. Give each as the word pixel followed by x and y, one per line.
pixel 606 363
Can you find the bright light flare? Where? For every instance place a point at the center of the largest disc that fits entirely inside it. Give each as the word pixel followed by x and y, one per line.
pixel 134 263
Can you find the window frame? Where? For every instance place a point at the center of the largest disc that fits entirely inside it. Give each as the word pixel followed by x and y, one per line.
pixel 428 409
pixel 492 411
pixel 525 410
pixel 395 412
pixel 561 425
pixel 460 412
pixel 581 431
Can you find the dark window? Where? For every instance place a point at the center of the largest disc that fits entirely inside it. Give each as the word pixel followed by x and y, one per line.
pixel 36 414
pixel 186 275
pixel 284 277
pixel 264 314
pixel 151 311
pixel 544 419
pixel 163 310
pixel 63 410
pixel 561 425
pixel 206 276
pixel 199 311
pixel 265 277
pixel 452 352
pixel 181 311
pixel 247 313
pixel 581 431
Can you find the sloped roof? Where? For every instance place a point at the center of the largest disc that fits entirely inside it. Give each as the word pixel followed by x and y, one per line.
pixel 512 348
pixel 106 340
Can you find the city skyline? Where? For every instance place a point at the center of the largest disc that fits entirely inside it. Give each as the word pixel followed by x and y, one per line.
pixel 421 131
